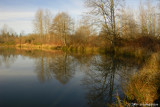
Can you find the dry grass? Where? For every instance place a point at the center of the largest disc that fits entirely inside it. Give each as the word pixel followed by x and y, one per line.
pixel 120 103
pixel 31 46
pixel 143 87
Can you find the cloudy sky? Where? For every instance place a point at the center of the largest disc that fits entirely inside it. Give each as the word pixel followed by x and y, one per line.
pixel 19 14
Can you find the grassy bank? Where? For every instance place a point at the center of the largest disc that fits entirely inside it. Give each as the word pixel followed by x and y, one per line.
pixel 50 47
pixel 129 52
pixel 139 53
pixel 143 86
pixel 140 48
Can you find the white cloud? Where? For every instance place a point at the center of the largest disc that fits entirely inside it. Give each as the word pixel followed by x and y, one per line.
pixel 15 15
pixel 19 26
pixel 18 21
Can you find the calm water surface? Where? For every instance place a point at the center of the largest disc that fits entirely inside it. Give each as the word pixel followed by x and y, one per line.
pixel 58 79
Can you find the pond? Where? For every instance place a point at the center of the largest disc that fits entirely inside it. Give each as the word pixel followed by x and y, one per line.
pixel 58 79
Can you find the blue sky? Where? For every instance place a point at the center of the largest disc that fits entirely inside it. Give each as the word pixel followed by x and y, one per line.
pixel 19 14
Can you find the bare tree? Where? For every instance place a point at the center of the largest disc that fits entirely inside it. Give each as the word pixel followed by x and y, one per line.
pixel 42 23
pixel 83 31
pixel 105 10
pixel 38 22
pixel 151 18
pixel 128 26
pixel 47 23
pixel 158 29
pixel 143 19
pixel 148 18
pixel 6 33
pixel 62 26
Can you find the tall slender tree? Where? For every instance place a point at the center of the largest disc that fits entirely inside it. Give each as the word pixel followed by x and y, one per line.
pixel 143 19
pixel 38 22
pixel 47 23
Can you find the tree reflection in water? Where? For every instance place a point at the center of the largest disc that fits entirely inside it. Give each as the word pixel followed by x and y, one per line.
pixel 7 56
pixel 105 78
pixel 60 67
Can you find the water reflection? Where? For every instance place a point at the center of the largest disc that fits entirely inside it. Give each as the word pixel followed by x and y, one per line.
pixel 59 66
pixel 105 79
pixel 7 56
pixel 97 77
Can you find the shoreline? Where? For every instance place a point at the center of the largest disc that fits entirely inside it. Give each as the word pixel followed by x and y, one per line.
pixel 128 51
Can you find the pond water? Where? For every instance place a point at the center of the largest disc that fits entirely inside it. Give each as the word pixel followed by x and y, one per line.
pixel 59 79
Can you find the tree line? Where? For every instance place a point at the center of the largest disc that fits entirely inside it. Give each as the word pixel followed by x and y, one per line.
pixel 105 22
